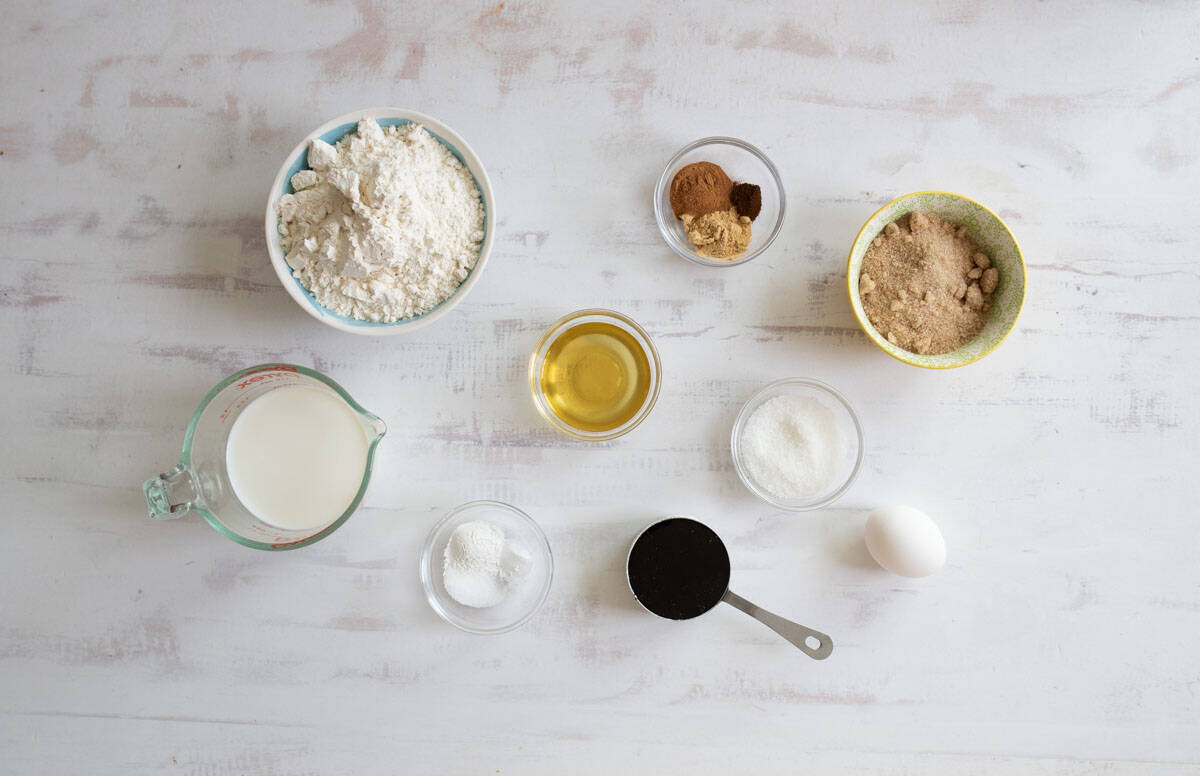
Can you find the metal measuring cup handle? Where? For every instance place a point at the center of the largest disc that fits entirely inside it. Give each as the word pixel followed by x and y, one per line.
pixel 794 632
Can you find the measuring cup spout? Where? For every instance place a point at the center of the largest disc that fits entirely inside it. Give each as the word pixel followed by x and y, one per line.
pixel 375 427
pixel 171 494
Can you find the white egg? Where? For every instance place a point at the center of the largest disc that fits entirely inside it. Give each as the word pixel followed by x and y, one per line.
pixel 905 541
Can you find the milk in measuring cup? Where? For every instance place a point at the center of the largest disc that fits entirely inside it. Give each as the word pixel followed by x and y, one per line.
pixel 296 457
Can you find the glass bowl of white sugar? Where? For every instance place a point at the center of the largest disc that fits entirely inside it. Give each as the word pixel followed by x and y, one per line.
pixel 797 444
pixel 486 567
pixel 380 221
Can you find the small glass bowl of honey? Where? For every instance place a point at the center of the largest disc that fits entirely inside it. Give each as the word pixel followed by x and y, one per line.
pixel 594 375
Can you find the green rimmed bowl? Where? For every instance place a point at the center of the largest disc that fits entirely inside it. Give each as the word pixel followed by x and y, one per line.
pixel 986 228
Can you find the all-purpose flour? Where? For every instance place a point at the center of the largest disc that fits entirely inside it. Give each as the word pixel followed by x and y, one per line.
pixel 386 224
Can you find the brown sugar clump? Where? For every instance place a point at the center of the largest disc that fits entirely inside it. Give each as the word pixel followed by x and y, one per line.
pixel 925 285
pixel 699 189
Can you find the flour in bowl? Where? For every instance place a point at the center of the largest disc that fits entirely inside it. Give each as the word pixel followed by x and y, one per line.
pixel 385 226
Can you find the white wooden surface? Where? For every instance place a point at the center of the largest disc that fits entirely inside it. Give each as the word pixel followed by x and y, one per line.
pixel 138 143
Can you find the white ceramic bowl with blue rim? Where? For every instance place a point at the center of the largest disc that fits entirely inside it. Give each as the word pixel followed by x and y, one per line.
pixel 333 131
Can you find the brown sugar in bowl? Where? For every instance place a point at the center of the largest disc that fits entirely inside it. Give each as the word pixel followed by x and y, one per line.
pixel 992 235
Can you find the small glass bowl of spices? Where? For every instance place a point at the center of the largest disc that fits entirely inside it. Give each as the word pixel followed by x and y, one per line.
pixel 594 375
pixel 719 202
pixel 797 444
pixel 486 567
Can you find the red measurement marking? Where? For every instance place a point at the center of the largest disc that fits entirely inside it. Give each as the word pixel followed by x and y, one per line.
pixel 246 383
pixel 236 405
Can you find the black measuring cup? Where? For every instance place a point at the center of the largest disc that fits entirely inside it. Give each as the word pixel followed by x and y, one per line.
pixel 678 568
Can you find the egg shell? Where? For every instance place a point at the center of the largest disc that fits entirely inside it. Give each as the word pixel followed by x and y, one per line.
pixel 905 541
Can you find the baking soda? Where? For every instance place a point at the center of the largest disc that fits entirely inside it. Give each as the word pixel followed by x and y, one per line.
pixel 481 566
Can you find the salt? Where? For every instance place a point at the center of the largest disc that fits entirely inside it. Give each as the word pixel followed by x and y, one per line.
pixel 792 447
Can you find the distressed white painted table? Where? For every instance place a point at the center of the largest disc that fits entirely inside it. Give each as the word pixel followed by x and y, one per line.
pixel 138 144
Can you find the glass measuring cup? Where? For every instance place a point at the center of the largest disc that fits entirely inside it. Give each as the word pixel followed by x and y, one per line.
pixel 200 481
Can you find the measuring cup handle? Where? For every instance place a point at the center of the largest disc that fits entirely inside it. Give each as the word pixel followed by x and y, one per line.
pixel 792 631
pixel 171 494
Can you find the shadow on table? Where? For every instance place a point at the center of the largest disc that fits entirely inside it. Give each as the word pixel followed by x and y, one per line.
pixel 846 543
pixel 603 578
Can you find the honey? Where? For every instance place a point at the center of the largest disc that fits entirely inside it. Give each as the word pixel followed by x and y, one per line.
pixel 595 376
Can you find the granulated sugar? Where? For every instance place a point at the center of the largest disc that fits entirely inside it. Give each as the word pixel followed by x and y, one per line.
pixel 792 447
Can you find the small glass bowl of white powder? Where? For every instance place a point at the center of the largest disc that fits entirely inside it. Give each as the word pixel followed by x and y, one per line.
pixel 502 604
pixel 797 444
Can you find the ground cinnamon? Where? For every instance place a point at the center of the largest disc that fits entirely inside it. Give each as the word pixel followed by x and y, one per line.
pixel 699 189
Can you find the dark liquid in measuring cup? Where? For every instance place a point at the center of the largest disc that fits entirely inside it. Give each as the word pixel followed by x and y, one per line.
pixel 678 568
